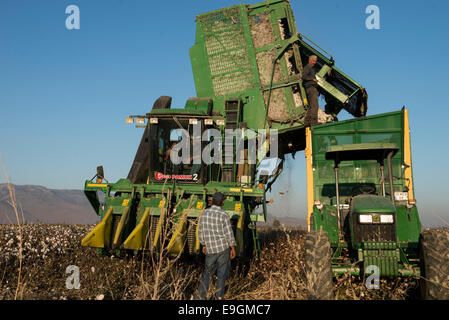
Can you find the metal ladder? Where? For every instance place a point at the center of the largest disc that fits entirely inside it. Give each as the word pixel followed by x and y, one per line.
pixel 233 117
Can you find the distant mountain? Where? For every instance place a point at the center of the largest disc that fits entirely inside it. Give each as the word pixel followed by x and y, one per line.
pixel 40 204
pixel 44 205
pixel 285 220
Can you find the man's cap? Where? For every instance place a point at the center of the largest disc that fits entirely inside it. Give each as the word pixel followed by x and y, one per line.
pixel 218 197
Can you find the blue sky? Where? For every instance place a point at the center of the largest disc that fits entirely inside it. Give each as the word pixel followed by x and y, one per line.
pixel 64 94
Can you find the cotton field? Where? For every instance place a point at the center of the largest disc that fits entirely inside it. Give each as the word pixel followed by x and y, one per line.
pixel 48 262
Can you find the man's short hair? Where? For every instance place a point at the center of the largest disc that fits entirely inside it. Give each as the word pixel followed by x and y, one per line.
pixel 313 56
pixel 218 198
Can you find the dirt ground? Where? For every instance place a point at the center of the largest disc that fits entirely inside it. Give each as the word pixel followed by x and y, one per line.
pixel 48 251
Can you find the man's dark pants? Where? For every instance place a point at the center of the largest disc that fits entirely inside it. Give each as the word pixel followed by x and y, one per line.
pixel 220 263
pixel 312 114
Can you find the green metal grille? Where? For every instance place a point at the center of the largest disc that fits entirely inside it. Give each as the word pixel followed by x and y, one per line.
pixel 227 51
pixel 225 41
pixel 229 83
pixel 221 20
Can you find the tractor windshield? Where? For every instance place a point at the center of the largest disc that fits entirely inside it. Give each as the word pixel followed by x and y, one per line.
pixel 171 151
pixel 364 152
pixel 360 151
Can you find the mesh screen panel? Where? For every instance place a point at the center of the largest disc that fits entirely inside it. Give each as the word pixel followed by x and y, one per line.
pixel 227 51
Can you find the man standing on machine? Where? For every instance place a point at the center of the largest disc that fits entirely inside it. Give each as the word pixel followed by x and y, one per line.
pixel 310 84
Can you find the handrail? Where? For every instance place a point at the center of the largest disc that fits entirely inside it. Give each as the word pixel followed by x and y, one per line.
pixel 300 35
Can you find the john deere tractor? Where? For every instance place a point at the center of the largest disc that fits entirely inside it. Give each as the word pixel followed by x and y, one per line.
pixel 247 62
pixel 364 218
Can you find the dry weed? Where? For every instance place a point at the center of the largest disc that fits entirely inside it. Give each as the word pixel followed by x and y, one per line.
pixel 49 249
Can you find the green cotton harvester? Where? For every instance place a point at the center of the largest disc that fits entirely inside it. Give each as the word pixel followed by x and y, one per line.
pixel 250 105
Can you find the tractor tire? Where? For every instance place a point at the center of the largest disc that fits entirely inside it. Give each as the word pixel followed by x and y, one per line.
pixel 191 237
pixel 318 266
pixel 244 263
pixel 434 258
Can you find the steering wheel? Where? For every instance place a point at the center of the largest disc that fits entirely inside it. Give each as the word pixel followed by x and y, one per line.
pixel 364 189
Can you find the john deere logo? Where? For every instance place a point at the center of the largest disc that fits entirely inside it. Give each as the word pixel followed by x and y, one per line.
pixel 376 219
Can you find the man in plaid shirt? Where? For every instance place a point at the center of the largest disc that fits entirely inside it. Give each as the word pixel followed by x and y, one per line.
pixel 216 236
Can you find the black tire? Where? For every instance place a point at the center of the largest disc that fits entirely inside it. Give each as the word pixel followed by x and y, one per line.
pixel 434 258
pixel 153 222
pixel 191 237
pixel 318 266
pixel 244 264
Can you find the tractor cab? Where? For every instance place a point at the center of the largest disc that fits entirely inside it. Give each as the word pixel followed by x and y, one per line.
pixel 369 213
pixel 172 155
pixel 171 149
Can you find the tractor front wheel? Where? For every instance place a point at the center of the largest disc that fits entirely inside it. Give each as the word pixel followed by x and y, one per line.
pixel 434 258
pixel 318 266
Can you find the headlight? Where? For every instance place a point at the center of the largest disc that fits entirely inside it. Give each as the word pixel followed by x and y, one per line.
pixel 401 196
pixel 386 218
pixel 366 218
pixel 140 120
pixel 318 205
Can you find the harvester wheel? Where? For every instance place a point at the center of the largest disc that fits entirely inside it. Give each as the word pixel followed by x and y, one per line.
pixel 318 266
pixel 191 237
pixel 434 257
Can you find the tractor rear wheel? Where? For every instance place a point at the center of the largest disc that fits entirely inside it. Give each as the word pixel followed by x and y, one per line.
pixel 434 258
pixel 318 266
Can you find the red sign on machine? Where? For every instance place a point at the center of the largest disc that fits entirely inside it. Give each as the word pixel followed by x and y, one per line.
pixel 161 176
